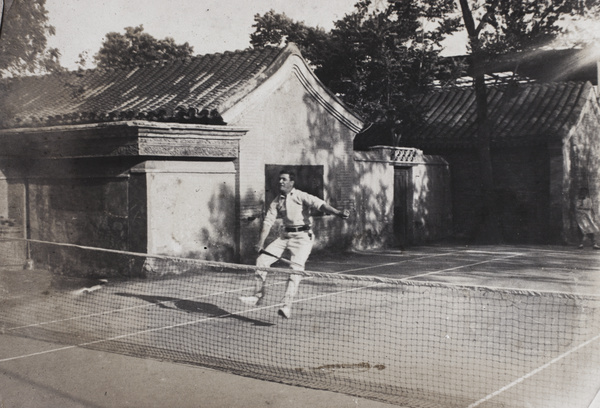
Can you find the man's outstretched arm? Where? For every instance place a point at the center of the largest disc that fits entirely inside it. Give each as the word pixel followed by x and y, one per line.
pixel 331 210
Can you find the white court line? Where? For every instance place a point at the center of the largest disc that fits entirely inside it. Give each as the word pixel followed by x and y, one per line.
pixel 477 251
pixel 596 402
pixel 409 278
pixel 233 291
pixel 460 267
pixel 125 309
pixel 250 310
pixel 390 263
pixel 574 251
pixel 512 255
pixel 246 288
pixel 532 373
pixel 173 326
pixel 149 305
pixel 341 292
pixel 39 353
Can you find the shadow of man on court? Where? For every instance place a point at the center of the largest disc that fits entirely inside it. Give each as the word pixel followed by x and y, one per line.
pixel 190 306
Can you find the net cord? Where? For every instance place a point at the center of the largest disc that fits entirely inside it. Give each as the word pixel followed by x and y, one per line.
pixel 378 279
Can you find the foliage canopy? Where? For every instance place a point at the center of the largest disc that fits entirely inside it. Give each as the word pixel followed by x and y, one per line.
pixel 501 26
pixel 23 39
pixel 138 47
pixel 374 59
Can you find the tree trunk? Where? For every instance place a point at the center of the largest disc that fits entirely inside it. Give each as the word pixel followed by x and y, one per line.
pixel 488 230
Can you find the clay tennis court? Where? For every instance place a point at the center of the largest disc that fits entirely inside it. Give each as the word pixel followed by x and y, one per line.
pixel 78 351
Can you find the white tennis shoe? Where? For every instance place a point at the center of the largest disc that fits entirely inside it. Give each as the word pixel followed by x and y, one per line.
pixel 285 312
pixel 250 300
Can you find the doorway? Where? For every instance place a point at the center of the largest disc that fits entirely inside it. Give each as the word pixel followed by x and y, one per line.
pixel 402 218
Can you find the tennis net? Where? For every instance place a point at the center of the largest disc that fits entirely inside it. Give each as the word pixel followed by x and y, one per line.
pixel 414 344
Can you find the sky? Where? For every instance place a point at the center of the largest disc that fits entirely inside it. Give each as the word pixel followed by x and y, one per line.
pixel 208 25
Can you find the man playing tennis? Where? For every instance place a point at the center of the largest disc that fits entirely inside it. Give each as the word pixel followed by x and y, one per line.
pixel 293 207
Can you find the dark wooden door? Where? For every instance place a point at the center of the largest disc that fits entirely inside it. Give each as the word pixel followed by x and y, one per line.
pixel 401 210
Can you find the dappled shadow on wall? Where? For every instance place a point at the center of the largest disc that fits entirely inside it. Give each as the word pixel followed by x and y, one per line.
pixel 217 241
pixel 327 146
pixel 376 225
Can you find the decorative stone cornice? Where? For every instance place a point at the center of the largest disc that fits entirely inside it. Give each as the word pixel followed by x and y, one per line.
pixel 122 139
pixel 406 156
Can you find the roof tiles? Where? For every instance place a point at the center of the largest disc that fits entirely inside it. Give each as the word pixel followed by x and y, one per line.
pixel 518 114
pixel 190 90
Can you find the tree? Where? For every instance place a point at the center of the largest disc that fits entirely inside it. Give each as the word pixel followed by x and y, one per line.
pixel 274 29
pixel 137 47
pixel 373 59
pixel 580 27
pixel 503 25
pixel 23 39
pixel 385 57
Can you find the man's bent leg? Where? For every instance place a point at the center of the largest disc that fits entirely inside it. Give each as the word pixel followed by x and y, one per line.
pixel 290 293
pixel 594 244
pixel 300 248
pixel 260 276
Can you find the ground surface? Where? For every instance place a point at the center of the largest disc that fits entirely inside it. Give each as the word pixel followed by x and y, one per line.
pixel 39 373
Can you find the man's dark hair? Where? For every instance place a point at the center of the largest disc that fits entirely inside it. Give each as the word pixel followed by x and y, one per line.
pixel 289 173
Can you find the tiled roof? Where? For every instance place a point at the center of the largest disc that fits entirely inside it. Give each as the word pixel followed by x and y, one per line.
pixel 194 90
pixel 519 114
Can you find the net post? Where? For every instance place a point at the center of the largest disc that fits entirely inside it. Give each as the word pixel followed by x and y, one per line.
pixel 29 264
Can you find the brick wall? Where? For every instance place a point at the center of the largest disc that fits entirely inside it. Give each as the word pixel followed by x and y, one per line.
pixel 71 208
pixel 78 203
